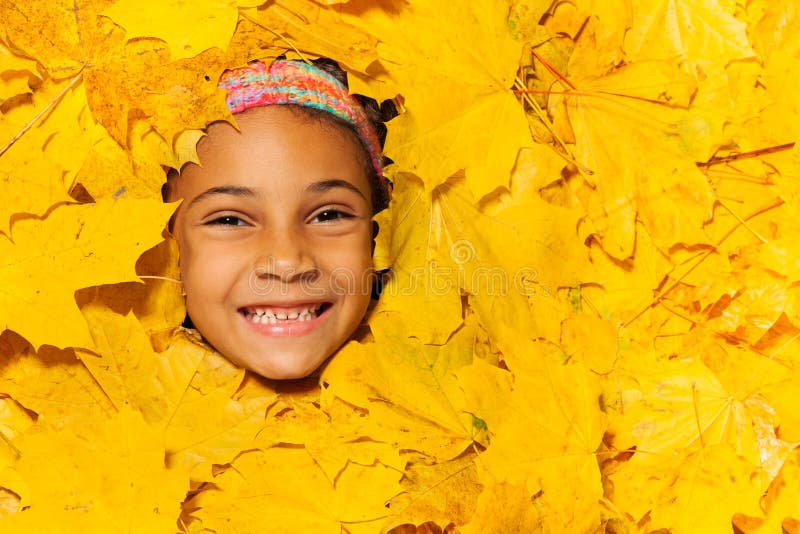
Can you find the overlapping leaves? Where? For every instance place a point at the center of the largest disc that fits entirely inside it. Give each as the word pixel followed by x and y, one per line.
pixel 592 316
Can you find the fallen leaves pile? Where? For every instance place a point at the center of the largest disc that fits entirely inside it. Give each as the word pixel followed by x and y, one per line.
pixel 593 317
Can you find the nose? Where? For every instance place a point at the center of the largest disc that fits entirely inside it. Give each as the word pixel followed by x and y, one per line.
pixel 284 255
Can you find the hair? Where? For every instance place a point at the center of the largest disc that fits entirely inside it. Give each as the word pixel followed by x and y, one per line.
pixel 377 114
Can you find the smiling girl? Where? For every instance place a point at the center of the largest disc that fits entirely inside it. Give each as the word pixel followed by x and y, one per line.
pixel 275 229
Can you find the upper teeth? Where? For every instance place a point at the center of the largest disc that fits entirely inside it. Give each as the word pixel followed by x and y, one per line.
pixel 270 316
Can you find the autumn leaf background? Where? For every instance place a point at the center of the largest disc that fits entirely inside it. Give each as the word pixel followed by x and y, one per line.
pixel 592 319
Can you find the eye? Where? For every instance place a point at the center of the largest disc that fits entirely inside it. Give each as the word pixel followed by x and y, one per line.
pixel 227 220
pixel 331 215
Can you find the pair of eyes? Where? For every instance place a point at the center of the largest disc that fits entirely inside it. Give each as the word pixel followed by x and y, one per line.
pixel 323 216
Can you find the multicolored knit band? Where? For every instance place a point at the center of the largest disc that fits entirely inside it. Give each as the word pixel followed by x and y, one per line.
pixel 302 84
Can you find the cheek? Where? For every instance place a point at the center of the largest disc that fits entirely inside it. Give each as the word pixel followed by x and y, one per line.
pixel 350 269
pixel 205 270
pixel 351 254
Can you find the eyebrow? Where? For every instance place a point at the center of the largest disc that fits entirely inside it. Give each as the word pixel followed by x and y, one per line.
pixel 235 190
pixel 327 185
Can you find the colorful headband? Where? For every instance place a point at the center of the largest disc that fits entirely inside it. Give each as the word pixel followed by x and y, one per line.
pixel 302 84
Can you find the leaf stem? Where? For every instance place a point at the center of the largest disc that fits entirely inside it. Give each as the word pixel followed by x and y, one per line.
pixel 153 277
pixel 554 71
pixel 743 155
pixel 43 112
pixel 539 112
pixel 278 35
pixel 695 402
pixel 772 205
pixel 5 438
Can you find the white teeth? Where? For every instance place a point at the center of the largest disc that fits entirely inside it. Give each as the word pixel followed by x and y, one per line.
pixel 268 316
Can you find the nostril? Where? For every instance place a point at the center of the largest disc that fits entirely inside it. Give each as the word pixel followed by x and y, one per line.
pixel 287 267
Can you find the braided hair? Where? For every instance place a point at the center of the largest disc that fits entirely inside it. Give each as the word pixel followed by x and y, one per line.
pixel 378 115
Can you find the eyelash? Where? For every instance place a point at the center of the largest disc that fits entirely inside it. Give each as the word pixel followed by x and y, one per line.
pixel 326 215
pixel 227 220
pixel 333 214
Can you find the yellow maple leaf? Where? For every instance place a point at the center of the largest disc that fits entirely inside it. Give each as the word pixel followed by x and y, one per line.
pixel 702 32
pixel 333 436
pixel 215 18
pixel 776 123
pixel 305 26
pixel 122 81
pixel 780 503
pixel 14 421
pixel 109 171
pixel 590 340
pixel 770 26
pixel 16 74
pixel 452 95
pixel 642 171
pixel 108 478
pixel 169 388
pixel 283 489
pixel 171 96
pixel 129 371
pixel 505 255
pixel 441 493
pixel 680 406
pixel 505 507
pixel 38 169
pixel 406 385
pixel 450 245
pixel 524 20
pixel 421 277
pixel 702 490
pixel 68 36
pixel 75 246
pixel 543 432
pixel 640 377
pixel 228 425
pixel 53 384
pixel 767 387
pixel 158 303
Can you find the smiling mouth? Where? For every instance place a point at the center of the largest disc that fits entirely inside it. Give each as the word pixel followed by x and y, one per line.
pixel 268 315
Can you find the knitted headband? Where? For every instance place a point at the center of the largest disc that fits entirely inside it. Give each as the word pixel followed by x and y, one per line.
pixel 302 84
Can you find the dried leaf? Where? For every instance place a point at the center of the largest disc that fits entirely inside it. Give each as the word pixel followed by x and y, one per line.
pixel 68 36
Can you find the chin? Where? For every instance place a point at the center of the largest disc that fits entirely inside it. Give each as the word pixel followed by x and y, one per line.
pixel 282 371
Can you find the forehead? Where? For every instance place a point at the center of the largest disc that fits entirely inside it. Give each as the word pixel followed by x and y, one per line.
pixel 274 146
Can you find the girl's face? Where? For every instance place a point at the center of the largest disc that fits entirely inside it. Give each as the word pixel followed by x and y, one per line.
pixel 275 234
